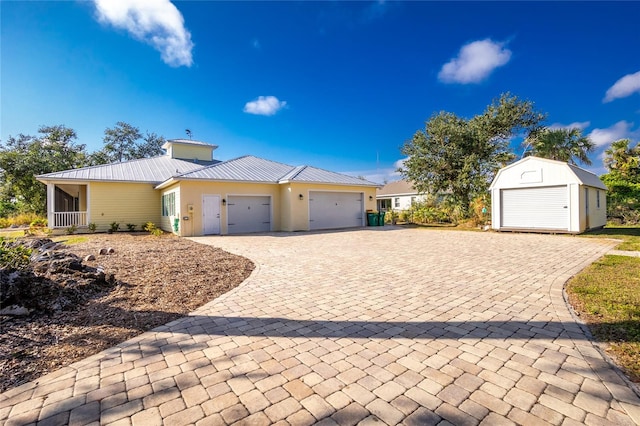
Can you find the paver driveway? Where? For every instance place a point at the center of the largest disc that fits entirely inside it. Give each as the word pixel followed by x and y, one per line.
pixel 391 325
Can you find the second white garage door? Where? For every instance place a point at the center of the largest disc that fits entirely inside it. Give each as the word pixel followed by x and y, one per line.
pixel 539 208
pixel 249 214
pixel 328 210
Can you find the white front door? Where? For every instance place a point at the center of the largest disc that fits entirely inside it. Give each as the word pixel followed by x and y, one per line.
pixel 210 214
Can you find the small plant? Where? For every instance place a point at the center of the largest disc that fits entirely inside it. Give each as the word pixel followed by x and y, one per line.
pixel 38 223
pixel 12 255
pixel 92 227
pixel 71 229
pixel 131 227
pixel 114 227
pixel 4 222
pixel 151 228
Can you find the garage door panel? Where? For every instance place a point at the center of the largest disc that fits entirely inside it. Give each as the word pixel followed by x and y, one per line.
pixel 329 210
pixel 249 214
pixel 536 208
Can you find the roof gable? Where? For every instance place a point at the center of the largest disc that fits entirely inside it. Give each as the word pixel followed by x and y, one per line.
pixel 572 173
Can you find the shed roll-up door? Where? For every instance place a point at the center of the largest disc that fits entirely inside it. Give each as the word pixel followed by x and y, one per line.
pixel 249 214
pixel 535 208
pixel 328 210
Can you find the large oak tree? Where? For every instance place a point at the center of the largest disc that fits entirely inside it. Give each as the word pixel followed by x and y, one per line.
pixel 460 156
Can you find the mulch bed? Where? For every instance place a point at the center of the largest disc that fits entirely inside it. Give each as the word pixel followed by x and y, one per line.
pixel 157 280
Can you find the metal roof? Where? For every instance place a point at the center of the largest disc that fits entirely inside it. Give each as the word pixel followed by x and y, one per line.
pixel 153 170
pixel 255 169
pixel 247 168
pixel 189 142
pixel 399 187
pixel 315 175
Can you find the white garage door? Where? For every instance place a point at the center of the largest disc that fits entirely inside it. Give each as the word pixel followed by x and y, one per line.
pixel 249 214
pixel 536 208
pixel 329 210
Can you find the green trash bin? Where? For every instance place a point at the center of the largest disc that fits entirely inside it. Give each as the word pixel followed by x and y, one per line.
pixel 371 219
pixel 381 218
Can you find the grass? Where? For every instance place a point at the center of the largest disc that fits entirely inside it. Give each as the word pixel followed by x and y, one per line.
pixel 630 236
pixel 607 297
pixel 71 240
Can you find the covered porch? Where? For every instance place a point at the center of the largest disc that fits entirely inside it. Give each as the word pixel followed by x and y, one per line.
pixel 67 205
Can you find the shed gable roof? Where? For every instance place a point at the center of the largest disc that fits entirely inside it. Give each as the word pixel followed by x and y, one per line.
pixel 580 175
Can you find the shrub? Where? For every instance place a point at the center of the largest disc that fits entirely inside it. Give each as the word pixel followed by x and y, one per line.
pixel 71 230
pixel 4 222
pixel 38 223
pixel 12 255
pixel 114 227
pixel 151 228
pixel 92 227
pixel 131 227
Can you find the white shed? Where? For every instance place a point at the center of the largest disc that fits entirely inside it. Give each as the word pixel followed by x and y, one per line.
pixel 537 194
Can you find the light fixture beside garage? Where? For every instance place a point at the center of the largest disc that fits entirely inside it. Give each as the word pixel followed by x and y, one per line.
pixel 301 196
pixel 370 197
pixel 224 202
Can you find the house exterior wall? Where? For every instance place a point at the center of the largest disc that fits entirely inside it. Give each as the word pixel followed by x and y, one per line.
pixel 402 202
pixel 166 222
pixel 288 212
pixel 191 152
pixel 191 193
pixel 299 209
pixel 124 203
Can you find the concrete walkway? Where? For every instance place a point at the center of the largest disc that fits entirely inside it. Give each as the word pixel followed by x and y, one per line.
pixel 375 325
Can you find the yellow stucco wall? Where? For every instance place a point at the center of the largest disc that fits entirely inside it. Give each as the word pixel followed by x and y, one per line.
pixel 288 212
pixel 124 203
pixel 191 152
pixel 298 214
pixel 191 193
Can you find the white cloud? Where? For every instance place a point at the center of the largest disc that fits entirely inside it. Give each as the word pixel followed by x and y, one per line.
pixel 620 130
pixel 580 125
pixel 475 61
pixel 156 22
pixel 624 87
pixel 264 105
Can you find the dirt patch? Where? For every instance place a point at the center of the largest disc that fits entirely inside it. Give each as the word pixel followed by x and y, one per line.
pixel 157 280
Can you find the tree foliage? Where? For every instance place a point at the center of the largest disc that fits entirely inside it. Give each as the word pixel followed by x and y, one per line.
pixel 24 156
pixel 566 145
pixel 124 142
pixel 461 156
pixel 54 149
pixel 623 181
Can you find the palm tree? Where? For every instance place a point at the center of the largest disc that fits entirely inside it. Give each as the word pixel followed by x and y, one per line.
pixel 623 160
pixel 566 145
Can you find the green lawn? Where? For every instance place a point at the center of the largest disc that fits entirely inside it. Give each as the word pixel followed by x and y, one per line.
pixel 629 234
pixel 607 297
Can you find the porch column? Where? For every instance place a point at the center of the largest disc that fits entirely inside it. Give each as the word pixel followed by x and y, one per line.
pixel 51 203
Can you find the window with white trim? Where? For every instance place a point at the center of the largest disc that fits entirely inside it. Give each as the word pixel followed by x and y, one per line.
pixel 396 202
pixel 169 204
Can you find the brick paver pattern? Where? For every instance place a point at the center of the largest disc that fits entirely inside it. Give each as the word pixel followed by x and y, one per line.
pixel 375 325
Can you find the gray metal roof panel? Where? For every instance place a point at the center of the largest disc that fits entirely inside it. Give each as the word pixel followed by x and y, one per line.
pixel 247 168
pixel 316 175
pixel 156 169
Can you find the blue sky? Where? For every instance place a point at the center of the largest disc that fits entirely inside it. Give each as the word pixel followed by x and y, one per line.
pixel 337 85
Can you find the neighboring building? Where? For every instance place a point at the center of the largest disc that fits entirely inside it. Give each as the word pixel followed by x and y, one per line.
pixel 537 194
pixel 398 195
pixel 187 192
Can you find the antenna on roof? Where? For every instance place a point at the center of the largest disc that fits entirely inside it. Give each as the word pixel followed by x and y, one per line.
pixel 188 132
